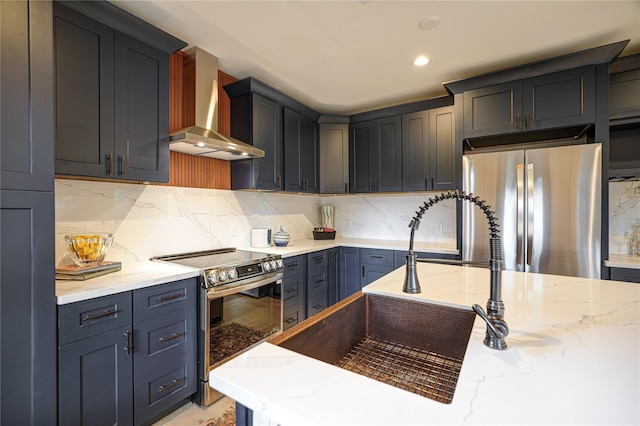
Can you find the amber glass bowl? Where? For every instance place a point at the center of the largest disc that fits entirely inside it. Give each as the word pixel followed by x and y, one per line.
pixel 88 249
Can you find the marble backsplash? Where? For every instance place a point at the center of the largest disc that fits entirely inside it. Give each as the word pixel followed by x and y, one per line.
pixel 151 220
pixel 624 210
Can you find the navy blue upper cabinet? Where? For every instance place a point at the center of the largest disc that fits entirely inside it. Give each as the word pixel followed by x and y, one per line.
pixel 272 121
pixel 300 153
pixel 112 99
pixel 375 155
pixel 429 155
pixel 560 99
pixel 258 121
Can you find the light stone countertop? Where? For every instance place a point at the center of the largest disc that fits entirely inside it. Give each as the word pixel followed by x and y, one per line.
pixel 573 358
pixel 623 261
pixel 137 275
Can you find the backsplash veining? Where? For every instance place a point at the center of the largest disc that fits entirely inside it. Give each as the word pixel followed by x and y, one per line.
pixel 150 220
pixel 624 209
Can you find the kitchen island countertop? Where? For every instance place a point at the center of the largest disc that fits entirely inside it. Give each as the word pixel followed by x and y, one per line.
pixel 574 346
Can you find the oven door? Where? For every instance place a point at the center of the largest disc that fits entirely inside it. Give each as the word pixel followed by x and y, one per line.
pixel 235 319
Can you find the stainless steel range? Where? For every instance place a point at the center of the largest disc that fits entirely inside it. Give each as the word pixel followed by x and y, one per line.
pixel 240 305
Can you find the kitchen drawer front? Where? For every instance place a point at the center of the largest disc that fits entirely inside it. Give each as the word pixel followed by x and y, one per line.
pixel 160 388
pixel 292 314
pixel 625 274
pixel 318 259
pixel 317 283
pixel 160 299
pixel 376 257
pixel 292 286
pixel 294 264
pixel 159 339
pixel 316 304
pixel 90 317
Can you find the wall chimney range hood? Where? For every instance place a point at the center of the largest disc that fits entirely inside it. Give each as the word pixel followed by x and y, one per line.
pixel 203 138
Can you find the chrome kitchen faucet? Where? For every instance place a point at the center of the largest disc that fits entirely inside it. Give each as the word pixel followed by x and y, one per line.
pixel 497 328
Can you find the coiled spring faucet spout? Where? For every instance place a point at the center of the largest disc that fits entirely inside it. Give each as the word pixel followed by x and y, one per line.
pixel 497 328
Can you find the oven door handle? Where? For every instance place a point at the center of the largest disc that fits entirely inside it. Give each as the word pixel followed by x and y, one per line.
pixel 215 293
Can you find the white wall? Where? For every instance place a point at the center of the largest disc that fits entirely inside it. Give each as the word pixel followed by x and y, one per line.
pixel 150 220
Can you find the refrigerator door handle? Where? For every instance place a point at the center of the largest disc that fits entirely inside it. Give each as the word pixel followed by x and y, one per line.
pixel 530 177
pixel 520 215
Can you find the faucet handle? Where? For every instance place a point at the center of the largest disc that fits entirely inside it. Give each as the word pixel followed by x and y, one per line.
pixel 497 329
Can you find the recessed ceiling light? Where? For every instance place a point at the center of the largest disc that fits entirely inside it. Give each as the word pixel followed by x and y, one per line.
pixel 199 145
pixel 421 61
pixel 429 23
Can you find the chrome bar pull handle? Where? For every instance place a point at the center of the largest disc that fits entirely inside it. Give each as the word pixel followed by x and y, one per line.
pixel 517 121
pixel 520 215
pixel 100 315
pixel 123 165
pixel 127 342
pixel 171 337
pixel 530 208
pixel 110 164
pixel 171 297
pixel 173 383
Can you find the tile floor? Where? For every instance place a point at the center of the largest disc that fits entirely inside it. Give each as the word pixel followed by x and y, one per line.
pixel 192 414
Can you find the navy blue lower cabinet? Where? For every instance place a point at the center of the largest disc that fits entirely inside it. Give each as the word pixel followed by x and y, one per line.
pixel 374 264
pixel 95 380
pixel 293 291
pixel 317 282
pixel 127 358
pixel 349 272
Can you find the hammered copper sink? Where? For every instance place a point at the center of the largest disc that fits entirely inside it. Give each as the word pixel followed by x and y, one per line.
pixel 414 346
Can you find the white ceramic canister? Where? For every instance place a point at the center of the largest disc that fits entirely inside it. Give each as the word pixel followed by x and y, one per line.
pixel 260 237
pixel 281 238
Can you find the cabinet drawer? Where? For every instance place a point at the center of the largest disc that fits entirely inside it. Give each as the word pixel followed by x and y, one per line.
pixel 317 259
pixel 317 283
pixel 160 388
pixel 377 257
pixel 625 274
pixel 87 318
pixel 293 264
pixel 159 339
pixel 316 304
pixel 292 286
pixel 160 299
pixel 292 315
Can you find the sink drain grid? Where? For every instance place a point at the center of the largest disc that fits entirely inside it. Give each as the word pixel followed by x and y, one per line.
pixel 428 374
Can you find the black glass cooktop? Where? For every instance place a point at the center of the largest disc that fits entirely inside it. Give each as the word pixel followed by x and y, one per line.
pixel 213 258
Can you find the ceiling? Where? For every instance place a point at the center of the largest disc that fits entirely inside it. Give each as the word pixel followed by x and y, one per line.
pixel 343 57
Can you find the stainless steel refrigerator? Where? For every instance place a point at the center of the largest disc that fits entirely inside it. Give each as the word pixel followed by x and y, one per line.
pixel 548 204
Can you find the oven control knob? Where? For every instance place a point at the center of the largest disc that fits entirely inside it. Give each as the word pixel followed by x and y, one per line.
pixel 280 264
pixel 274 266
pixel 232 274
pixel 222 275
pixel 266 266
pixel 212 278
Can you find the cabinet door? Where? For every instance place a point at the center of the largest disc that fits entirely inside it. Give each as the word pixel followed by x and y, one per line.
pixel 334 158
pixel 560 99
pixel 333 270
pixel 624 93
pixel 349 270
pixel 300 153
pixel 95 380
pixel 27 307
pixel 84 70
pixel 267 135
pixel 374 264
pixel 493 110
pixel 26 85
pixel 444 158
pixel 360 157
pixel 142 110
pixel 387 154
pixel 415 151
